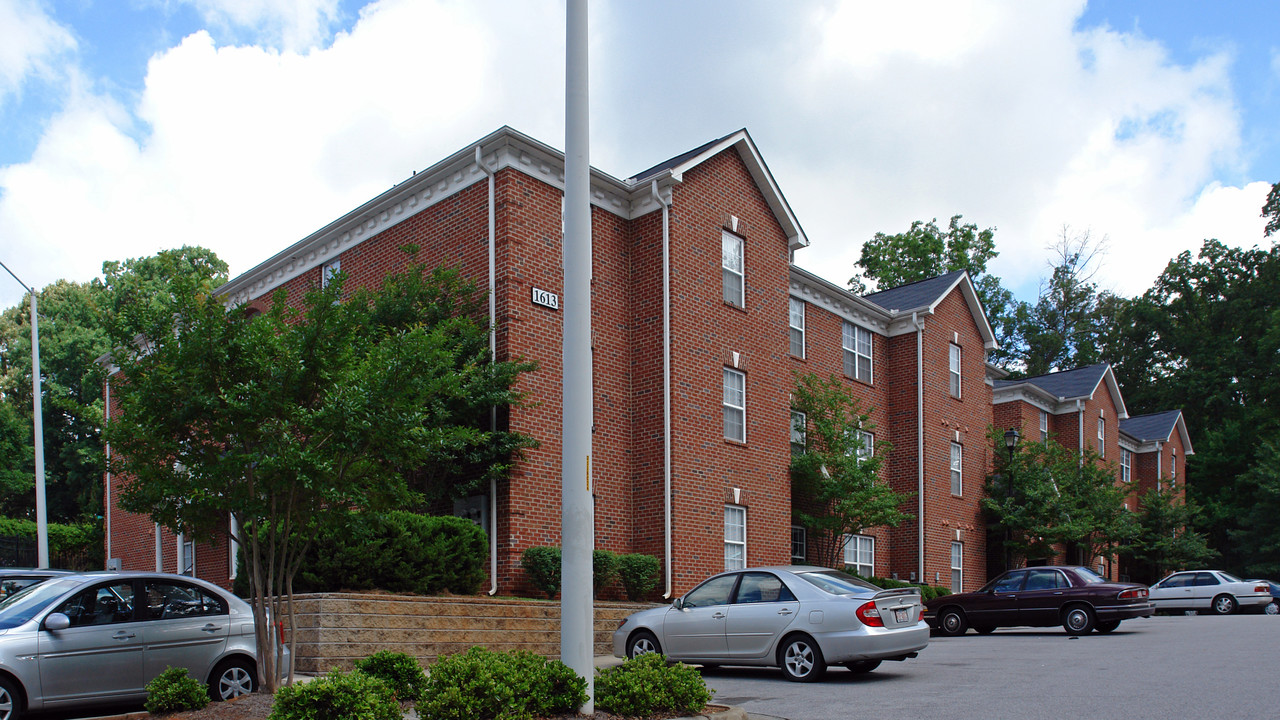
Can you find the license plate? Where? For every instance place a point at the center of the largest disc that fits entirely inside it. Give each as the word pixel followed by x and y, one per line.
pixel 901 616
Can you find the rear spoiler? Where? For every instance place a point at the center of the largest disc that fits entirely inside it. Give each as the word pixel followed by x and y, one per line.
pixel 896 592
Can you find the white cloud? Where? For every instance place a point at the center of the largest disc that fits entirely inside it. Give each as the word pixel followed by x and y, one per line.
pixel 30 41
pixel 294 25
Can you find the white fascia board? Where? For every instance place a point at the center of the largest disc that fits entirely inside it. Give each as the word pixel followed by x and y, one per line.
pixel 839 302
pixel 1109 377
pixel 975 309
pixel 1033 396
pixel 1181 427
pixel 1129 442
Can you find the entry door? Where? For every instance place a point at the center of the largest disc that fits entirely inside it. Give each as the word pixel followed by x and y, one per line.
pixel 100 655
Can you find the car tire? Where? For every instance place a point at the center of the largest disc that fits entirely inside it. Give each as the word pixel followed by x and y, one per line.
pixel 10 700
pixel 232 678
pixel 951 622
pixel 643 642
pixel 1224 605
pixel 984 629
pixel 862 666
pixel 1272 608
pixel 801 659
pixel 1078 619
pixel 1108 626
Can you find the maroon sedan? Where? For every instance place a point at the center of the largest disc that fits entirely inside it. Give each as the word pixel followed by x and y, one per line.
pixel 1075 597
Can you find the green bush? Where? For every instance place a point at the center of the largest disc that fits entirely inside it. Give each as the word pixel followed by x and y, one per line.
pixel 400 671
pixel 927 592
pixel 639 575
pixel 604 570
pixel 542 566
pixel 174 690
pixel 337 696
pixel 481 684
pixel 79 544
pixel 647 685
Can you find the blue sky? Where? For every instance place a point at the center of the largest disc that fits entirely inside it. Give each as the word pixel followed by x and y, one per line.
pixel 128 126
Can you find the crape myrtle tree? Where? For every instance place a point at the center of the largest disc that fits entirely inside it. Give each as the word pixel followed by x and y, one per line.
pixel 270 426
pixel 1166 539
pixel 836 480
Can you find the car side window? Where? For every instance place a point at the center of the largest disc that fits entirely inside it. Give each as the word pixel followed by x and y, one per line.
pixel 101 605
pixel 167 600
pixel 762 587
pixel 712 592
pixel 1177 581
pixel 1043 580
pixel 1010 583
pixel 1206 579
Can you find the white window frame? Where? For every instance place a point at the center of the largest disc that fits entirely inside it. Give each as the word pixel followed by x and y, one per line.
pixel 860 553
pixel 186 560
pixel 1126 465
pixel 796 320
pixel 957 469
pixel 736 395
pixel 1102 437
pixel 799 432
pixel 957 567
pixel 733 266
pixel 328 270
pixel 866 447
pixel 1044 425
pixel 233 547
pixel 1173 464
pixel 954 363
pixel 735 522
pixel 799 545
pixel 858 345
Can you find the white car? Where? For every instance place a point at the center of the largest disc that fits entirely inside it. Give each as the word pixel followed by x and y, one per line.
pixel 1220 592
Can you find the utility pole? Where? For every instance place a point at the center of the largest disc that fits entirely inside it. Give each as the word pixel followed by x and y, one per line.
pixel 37 437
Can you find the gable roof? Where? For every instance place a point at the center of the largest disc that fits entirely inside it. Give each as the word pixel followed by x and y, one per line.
pixel 922 293
pixel 1158 427
pixel 1077 384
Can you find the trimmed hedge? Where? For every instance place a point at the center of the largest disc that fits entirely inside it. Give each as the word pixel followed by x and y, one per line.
pixel 174 690
pixel 647 685
pixel 542 567
pixel 481 684
pixel 337 696
pixel 66 541
pixel 927 592
pixel 400 671
pixel 639 575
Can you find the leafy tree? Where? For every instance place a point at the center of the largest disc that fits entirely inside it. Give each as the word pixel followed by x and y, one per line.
pixel 836 480
pixel 926 251
pixel 281 421
pixel 1271 211
pixel 1259 528
pixel 1166 540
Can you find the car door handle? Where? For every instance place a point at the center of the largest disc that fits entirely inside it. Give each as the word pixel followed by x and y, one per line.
pixel 718 616
pixel 210 628
pixel 122 635
pixel 1057 592
pixel 784 611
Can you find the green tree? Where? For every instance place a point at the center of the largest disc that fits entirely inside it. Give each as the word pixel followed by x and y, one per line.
pixel 1166 539
pixel 836 480
pixel 1259 528
pixel 1271 211
pixel 926 251
pixel 281 421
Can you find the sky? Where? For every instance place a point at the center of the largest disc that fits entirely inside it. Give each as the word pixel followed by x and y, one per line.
pixel 131 126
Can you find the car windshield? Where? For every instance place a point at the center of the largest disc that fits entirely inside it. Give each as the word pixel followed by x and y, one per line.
pixel 837 583
pixel 26 603
pixel 1089 577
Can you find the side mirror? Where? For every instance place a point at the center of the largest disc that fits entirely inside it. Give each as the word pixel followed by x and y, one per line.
pixel 678 603
pixel 57 621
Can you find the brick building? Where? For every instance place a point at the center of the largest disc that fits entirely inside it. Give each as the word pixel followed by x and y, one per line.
pixel 692 376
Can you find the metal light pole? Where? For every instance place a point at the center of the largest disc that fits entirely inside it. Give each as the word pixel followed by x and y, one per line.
pixel 37 437
pixel 1011 438
pixel 577 519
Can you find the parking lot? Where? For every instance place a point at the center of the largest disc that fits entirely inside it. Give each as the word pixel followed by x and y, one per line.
pixel 1160 667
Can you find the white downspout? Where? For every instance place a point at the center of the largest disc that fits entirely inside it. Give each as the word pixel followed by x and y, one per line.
pixel 919 325
pixel 666 384
pixel 493 357
pixel 106 412
pixel 1080 415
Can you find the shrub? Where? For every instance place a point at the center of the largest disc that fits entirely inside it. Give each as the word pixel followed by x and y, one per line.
pixel 639 575
pixel 927 592
pixel 604 570
pixel 174 690
pixel 481 684
pixel 400 671
pixel 646 685
pixel 337 696
pixel 542 565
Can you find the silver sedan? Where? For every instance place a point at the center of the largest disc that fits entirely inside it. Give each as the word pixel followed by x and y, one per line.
pixel 1209 590
pixel 799 618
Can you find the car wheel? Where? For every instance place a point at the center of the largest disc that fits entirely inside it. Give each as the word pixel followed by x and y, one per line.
pixel 1077 620
pixel 952 622
pixel 10 700
pixel 643 642
pixel 1272 608
pixel 985 629
pixel 232 678
pixel 1108 626
pixel 862 666
pixel 1224 605
pixel 801 659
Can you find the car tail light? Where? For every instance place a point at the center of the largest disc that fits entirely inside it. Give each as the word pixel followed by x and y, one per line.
pixel 869 615
pixel 1262 588
pixel 1134 594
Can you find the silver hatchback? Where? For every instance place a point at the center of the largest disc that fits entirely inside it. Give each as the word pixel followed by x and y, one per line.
pixel 99 638
pixel 799 618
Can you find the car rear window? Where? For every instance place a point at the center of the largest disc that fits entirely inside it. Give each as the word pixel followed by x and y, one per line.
pixel 837 583
pixel 1089 577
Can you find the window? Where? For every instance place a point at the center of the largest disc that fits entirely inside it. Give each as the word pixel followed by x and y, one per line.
pixel 799 433
pixel 1102 437
pixel 735 405
pixel 860 555
pixel 186 556
pixel 857 352
pixel 955 370
pixel 731 260
pixel 957 475
pixel 101 605
pixel 712 592
pixel 328 270
pixel 735 537
pixel 1173 464
pixel 957 567
pixel 1044 426
pixel 797 328
pixel 799 545
pixel 1126 464
pixel 168 600
pixel 866 446
pixel 762 588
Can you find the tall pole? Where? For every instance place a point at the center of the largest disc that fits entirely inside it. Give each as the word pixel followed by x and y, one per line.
pixel 577 519
pixel 37 436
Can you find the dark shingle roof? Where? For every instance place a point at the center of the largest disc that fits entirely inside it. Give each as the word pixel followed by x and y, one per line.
pixel 1156 426
pixel 913 295
pixel 682 157
pixel 1067 384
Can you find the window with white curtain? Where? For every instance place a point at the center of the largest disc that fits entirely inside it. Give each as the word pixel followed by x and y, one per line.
pixel 735 537
pixel 734 275
pixel 735 405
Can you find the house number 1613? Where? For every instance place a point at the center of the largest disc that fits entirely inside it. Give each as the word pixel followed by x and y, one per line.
pixel 546 299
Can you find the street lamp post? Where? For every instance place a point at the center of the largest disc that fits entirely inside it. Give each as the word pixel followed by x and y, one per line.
pixel 37 419
pixel 1011 438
